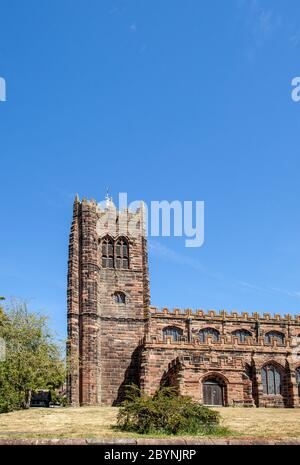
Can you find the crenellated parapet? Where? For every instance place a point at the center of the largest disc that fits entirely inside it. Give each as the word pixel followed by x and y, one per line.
pixel 222 315
pixel 122 221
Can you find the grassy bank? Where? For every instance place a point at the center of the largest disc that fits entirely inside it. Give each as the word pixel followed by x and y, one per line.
pixel 96 422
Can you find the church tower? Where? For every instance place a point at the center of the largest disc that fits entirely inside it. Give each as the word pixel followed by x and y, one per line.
pixel 108 301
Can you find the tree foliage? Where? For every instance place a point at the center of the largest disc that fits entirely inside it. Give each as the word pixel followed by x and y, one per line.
pixel 33 358
pixel 166 413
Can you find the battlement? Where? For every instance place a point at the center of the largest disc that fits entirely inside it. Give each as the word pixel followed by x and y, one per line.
pixel 111 220
pixel 222 315
pixel 108 206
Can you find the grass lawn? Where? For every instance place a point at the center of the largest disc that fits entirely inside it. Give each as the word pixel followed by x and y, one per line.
pixel 97 422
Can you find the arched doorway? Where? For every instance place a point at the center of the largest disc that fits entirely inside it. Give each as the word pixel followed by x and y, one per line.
pixel 214 391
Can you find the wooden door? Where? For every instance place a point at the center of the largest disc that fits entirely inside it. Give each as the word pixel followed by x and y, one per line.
pixel 212 394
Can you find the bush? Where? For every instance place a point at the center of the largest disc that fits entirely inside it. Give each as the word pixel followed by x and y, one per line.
pixel 166 413
pixel 58 399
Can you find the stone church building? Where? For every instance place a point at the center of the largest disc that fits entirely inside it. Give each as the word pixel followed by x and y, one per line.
pixel 115 337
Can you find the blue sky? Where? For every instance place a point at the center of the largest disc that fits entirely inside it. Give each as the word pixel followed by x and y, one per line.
pixel 164 100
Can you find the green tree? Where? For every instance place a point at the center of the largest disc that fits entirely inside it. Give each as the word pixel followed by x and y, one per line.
pixel 33 357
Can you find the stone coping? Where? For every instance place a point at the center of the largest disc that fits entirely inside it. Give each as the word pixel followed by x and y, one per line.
pixel 151 441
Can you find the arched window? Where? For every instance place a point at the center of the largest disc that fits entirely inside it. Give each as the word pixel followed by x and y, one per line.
pixel 242 334
pixel 214 333
pixel 122 253
pixel 298 379
pixel 271 379
pixel 107 252
pixel 173 332
pixel 274 335
pixel 120 297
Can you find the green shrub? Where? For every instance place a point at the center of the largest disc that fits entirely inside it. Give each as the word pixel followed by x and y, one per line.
pixel 58 399
pixel 166 413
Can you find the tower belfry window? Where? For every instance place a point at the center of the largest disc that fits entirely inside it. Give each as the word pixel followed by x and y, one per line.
pixel 107 252
pixel 122 253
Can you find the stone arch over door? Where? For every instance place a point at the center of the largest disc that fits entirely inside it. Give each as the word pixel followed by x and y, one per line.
pixel 214 390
